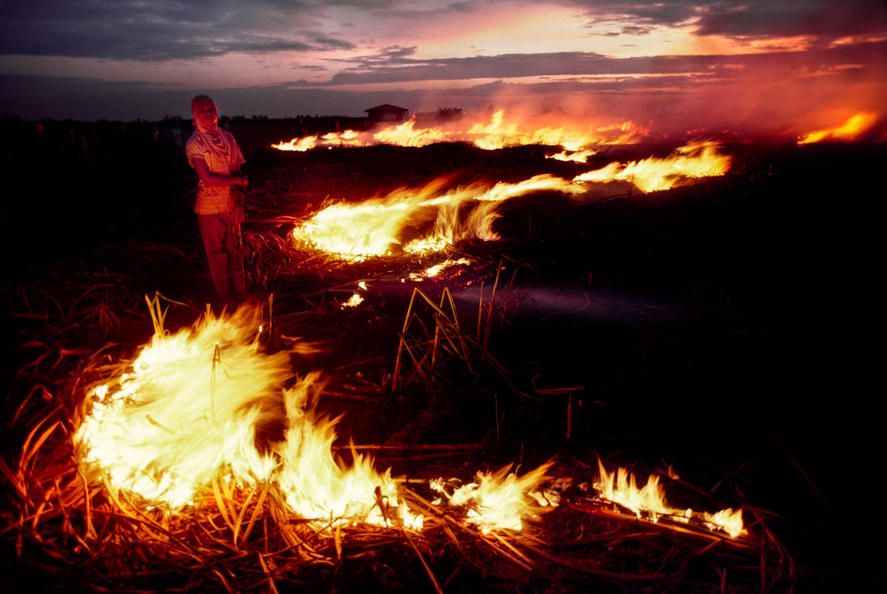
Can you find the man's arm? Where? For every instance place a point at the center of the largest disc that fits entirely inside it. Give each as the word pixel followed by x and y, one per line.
pixel 216 179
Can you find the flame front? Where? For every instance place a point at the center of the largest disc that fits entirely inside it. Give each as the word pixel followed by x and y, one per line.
pixel 316 486
pixel 492 133
pixel 855 126
pixel 648 501
pixel 379 226
pixel 498 500
pixel 694 160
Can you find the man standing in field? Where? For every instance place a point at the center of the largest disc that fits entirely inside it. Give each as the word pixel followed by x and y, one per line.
pixel 215 156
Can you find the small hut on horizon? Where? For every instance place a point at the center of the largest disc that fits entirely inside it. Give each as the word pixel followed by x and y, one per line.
pixel 386 113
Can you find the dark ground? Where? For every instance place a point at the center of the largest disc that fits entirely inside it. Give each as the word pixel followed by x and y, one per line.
pixel 733 329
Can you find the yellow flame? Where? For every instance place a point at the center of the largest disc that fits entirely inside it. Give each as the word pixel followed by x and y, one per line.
pixel 346 138
pixel 649 501
pixel 728 520
pixel 353 301
pixel 497 134
pixel 378 226
pixel 436 269
pixel 694 160
pixel 855 126
pixel 580 156
pixel 187 411
pixel 316 486
pixel 184 411
pixel 306 143
pixel 492 133
pixel 406 134
pixel 621 487
pixel 498 500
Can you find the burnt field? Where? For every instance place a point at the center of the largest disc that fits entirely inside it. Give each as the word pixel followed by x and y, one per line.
pixel 730 330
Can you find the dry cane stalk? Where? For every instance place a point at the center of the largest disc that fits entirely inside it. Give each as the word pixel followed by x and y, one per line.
pixel 395 378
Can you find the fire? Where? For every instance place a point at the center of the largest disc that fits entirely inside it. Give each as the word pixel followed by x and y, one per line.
pixel 497 134
pixel 694 160
pixel 649 502
pixel 406 134
pixel 378 226
pixel 184 411
pixel 300 145
pixel 855 126
pixel 316 486
pixel 498 500
pixel 490 133
pixel 187 411
pixel 353 301
pixel 436 269
pixel 573 156
pixel 621 487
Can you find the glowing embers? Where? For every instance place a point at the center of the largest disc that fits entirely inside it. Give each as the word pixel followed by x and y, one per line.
pixel 695 160
pixel 855 127
pixel 416 220
pixel 188 410
pixel 648 502
pixel 436 269
pixel 498 500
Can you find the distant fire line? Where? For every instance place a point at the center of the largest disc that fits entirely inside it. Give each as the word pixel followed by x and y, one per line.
pixel 379 226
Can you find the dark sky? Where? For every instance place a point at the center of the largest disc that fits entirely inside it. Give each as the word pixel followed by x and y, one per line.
pixel 673 64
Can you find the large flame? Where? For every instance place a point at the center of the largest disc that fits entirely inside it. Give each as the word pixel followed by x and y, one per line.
pixel 490 133
pixel 691 161
pixel 498 500
pixel 379 226
pixel 188 409
pixel 649 501
pixel 852 129
pixel 316 486
pixel 185 411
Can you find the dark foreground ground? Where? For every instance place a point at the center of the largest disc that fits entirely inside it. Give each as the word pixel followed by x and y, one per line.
pixel 733 329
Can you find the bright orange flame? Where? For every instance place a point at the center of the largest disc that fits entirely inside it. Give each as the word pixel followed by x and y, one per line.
pixel 855 126
pixel 490 134
pixel 499 500
pixel 436 269
pixel 187 409
pixel 376 226
pixel 573 156
pixel 184 411
pixel 306 143
pixel 649 501
pixel 497 134
pixel 406 134
pixel 694 160
pixel 316 486
pixel 353 301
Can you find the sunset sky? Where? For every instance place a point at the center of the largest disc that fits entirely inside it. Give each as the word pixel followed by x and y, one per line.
pixel 780 66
